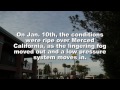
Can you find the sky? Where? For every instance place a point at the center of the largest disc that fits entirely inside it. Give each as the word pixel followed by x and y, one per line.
pixel 45 21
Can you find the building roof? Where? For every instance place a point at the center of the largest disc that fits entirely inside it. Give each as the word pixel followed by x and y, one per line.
pixel 13 38
pixel 9 35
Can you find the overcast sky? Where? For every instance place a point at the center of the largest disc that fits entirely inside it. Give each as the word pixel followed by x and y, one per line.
pixel 42 21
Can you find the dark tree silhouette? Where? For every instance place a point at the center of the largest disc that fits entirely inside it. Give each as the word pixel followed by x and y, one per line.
pixel 47 69
pixel 64 65
pixel 108 23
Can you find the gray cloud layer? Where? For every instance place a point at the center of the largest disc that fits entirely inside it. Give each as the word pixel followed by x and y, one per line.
pixel 41 21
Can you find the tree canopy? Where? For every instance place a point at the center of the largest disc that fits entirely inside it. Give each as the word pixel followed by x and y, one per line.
pixel 108 23
pixel 47 69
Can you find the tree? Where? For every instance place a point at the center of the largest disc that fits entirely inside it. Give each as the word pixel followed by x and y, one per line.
pixel 64 65
pixel 77 62
pixel 25 63
pixel 100 76
pixel 73 67
pixel 108 23
pixel 58 75
pixel 55 70
pixel 73 72
pixel 40 71
pixel 83 70
pixel 68 66
pixel 47 69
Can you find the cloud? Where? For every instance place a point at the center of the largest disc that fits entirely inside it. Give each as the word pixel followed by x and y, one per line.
pixel 42 21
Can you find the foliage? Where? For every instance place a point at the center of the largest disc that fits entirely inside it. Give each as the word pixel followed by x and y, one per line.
pixel 68 66
pixel 108 23
pixel 40 71
pixel 83 69
pixel 73 72
pixel 25 63
pixel 55 70
pixel 73 67
pixel 100 76
pixel 77 62
pixel 47 69
pixel 64 65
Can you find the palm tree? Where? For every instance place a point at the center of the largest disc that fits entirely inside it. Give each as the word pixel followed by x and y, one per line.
pixel 77 62
pixel 55 70
pixel 64 65
pixel 68 66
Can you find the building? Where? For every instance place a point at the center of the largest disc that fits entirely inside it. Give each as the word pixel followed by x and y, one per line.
pixel 11 65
